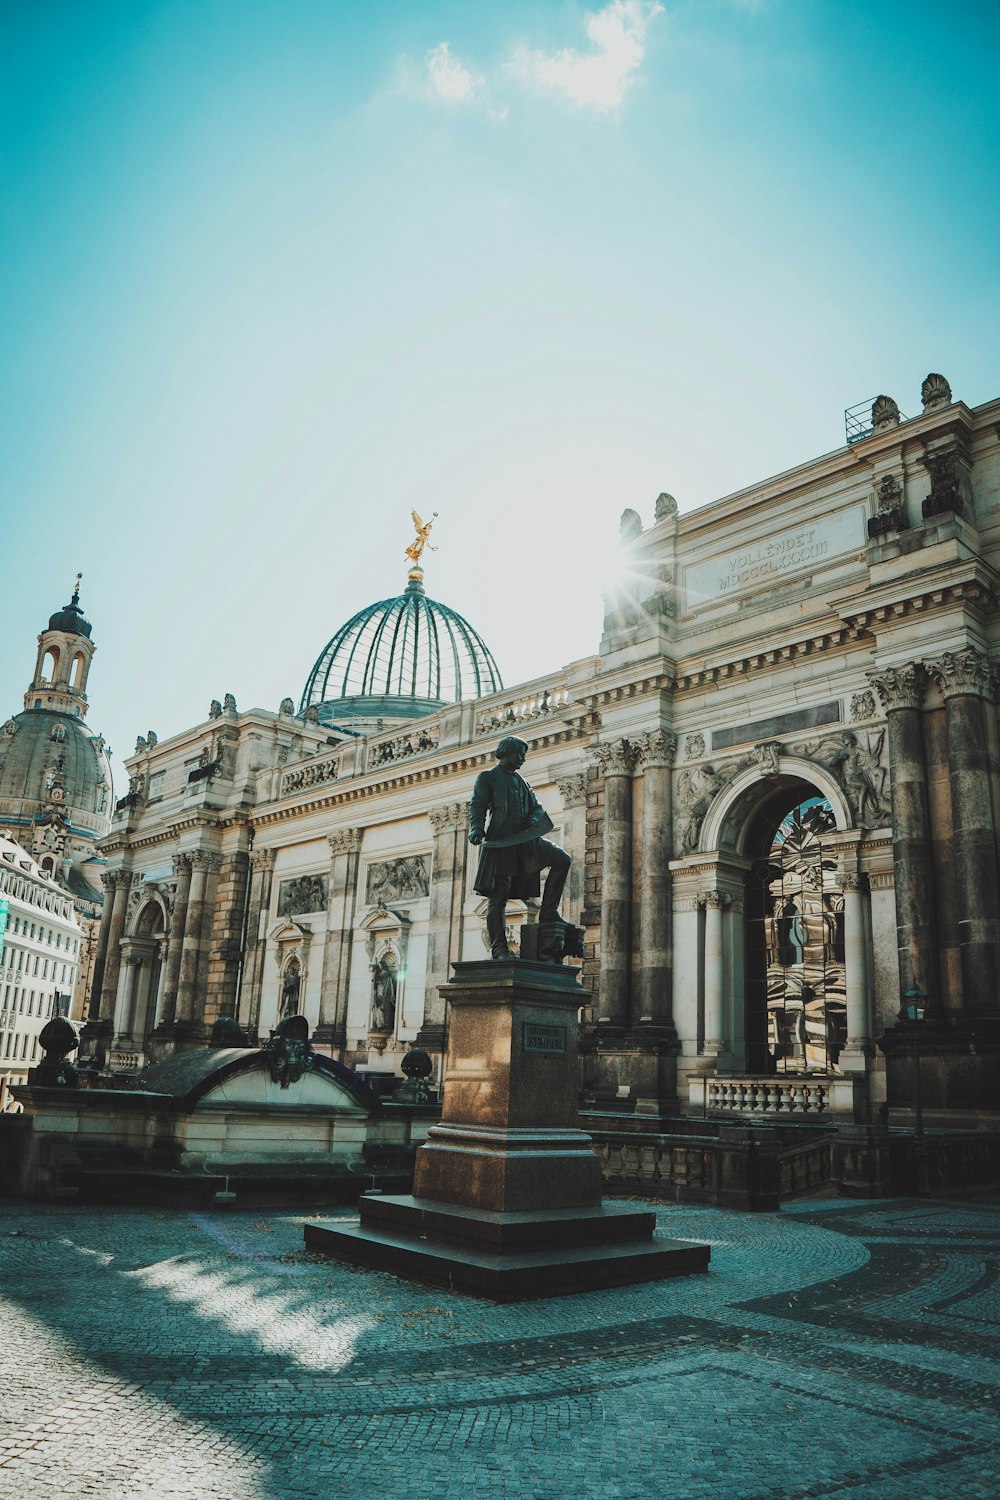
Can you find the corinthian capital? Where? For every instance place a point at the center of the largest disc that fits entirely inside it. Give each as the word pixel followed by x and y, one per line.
pixel 181 864
pixel 451 815
pixel 206 859
pixel 345 840
pixel 900 687
pixel 615 757
pixel 263 859
pixel 573 789
pixel 655 748
pixel 967 671
pixel 717 899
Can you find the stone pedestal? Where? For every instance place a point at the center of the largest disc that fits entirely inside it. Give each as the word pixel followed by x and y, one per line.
pixel 507 1189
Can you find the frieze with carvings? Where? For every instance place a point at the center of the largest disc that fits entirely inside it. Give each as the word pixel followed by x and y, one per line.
pixel 303 893
pixel 404 879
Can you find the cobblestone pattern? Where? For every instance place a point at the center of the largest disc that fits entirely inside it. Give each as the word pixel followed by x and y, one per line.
pixel 833 1350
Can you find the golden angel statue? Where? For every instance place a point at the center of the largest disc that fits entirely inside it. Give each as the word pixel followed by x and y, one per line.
pixel 416 547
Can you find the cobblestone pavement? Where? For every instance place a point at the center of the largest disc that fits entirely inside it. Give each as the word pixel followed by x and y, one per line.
pixel 835 1349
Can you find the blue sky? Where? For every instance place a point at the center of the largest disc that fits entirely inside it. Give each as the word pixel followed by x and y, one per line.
pixel 276 271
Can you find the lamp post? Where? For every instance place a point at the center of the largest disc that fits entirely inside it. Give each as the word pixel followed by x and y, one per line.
pixel 914 1006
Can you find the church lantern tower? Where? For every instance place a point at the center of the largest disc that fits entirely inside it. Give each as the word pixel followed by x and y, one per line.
pixel 62 666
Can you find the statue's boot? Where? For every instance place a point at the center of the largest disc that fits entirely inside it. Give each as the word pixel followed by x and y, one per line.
pixel 550 938
pixel 496 931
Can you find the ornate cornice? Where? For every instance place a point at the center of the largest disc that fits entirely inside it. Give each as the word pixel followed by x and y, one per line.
pixel 615 757
pixel 345 840
pixel 957 672
pixel 573 789
pixel 900 687
pixel 655 748
pixel 451 815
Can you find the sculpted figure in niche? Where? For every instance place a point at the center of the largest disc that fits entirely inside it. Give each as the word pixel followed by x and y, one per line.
pixel 290 985
pixel 384 984
pixel 514 853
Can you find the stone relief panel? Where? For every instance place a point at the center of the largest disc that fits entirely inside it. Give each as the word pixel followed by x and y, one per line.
pixel 304 893
pixel 862 706
pixel 404 879
pixel 855 759
pixel 694 747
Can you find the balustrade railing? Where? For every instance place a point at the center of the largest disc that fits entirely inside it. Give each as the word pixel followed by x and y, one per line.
pixel 507 716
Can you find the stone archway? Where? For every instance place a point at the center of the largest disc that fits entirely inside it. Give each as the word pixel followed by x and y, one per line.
pixel 143 952
pixel 783 972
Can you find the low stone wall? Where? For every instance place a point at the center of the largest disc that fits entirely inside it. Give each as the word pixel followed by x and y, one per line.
pixel 757 1167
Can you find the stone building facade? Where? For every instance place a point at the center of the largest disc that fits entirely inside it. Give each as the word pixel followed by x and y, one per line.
pixel 779 779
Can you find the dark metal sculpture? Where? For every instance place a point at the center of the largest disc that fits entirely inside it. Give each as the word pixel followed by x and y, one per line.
pixel 514 852
pixel 289 1054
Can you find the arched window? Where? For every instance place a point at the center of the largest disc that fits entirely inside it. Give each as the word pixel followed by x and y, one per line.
pixel 50 664
pixel 79 670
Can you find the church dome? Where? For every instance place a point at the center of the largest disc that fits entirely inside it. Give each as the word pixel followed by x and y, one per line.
pixel 399 659
pixel 70 618
pixel 49 757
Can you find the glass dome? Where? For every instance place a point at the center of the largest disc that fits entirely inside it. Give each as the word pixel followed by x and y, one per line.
pixel 399 659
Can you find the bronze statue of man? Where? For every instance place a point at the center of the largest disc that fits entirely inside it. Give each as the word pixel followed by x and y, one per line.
pixel 513 852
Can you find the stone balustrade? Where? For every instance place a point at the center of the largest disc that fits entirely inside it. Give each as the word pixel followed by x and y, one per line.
pixel 420 741
pixel 504 717
pixel 312 773
pixel 773 1095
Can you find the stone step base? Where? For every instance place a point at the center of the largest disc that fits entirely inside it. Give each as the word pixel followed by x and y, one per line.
pixel 498 1233
pixel 510 1275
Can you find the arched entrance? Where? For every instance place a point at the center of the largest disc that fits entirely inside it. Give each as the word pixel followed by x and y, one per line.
pixel 796 1006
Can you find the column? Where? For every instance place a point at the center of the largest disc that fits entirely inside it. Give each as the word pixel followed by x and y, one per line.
pixel 345 860
pixel 965 680
pixel 615 760
pixel 858 1049
pixel 901 690
pixel 448 877
pixel 178 918
pixel 655 752
pixel 261 877
pixel 129 988
pixel 714 902
pixel 203 863
pixel 109 881
pixel 225 937
pixel 113 955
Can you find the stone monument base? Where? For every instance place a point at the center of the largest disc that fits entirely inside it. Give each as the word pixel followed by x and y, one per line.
pixel 508 1256
pixel 507 1189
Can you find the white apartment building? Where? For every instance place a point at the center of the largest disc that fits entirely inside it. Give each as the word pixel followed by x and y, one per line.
pixel 40 937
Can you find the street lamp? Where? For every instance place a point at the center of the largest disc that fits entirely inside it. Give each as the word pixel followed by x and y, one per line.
pixel 914 1006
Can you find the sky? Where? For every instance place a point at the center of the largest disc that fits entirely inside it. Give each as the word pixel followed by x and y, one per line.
pixel 275 272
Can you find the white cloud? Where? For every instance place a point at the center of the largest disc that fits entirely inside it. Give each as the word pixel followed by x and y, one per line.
pixel 449 79
pixel 599 78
